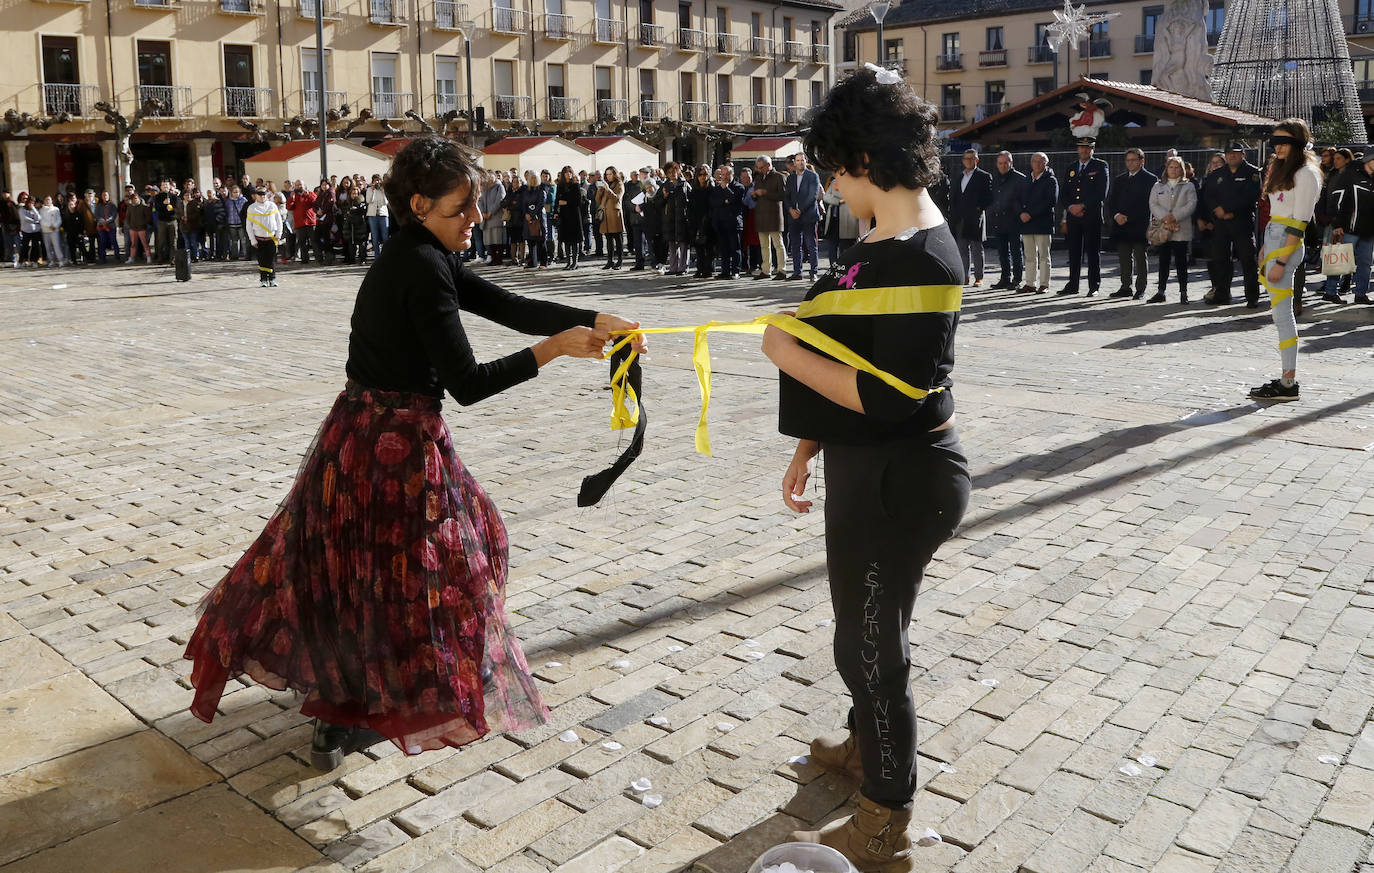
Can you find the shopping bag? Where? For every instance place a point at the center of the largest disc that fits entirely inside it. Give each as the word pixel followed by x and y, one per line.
pixel 1338 259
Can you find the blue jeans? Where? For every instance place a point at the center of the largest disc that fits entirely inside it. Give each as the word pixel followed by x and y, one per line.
pixel 381 232
pixel 802 241
pixel 107 240
pixel 1010 255
pixel 479 248
pixel 1364 249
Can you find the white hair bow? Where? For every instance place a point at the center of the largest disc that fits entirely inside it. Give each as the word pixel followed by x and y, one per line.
pixel 885 76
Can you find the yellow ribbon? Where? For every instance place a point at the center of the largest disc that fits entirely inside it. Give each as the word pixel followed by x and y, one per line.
pixel 895 300
pixel 1276 294
pixel 269 230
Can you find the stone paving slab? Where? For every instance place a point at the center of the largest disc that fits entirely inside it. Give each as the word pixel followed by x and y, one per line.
pixel 1167 586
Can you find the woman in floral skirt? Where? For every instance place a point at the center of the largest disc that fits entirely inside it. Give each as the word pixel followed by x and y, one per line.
pixel 377 588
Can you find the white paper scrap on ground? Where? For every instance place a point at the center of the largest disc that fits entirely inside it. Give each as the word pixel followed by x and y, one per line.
pixel 1147 760
pixel 991 683
pixel 929 838
pixel 59 287
pixel 1329 759
pixel 554 664
pixel 641 784
pixel 1131 769
pixel 569 736
pixel 724 727
pixel 755 656
pixel 798 759
pixel 653 801
pixel 612 745
pixel 751 643
pixel 946 768
pixel 825 622
pixel 675 648
pixel 658 721
pixel 620 665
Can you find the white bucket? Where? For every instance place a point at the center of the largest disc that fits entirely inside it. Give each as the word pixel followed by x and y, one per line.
pixel 805 857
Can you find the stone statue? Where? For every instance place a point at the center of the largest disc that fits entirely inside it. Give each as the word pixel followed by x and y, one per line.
pixel 1181 62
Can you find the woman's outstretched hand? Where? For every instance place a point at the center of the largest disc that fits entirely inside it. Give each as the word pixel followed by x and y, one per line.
pixel 607 322
pixel 575 342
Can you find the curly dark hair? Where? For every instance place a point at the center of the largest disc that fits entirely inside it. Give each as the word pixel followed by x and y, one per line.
pixel 432 166
pixel 884 130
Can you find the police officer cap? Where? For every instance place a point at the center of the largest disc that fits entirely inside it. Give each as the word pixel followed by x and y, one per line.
pixel 1235 146
pixel 1087 140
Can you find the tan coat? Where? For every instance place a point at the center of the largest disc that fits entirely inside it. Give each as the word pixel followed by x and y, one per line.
pixel 608 199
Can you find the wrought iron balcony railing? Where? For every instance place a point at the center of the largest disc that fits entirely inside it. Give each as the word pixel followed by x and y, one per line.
pixel 793 51
pixel 765 114
pixel 727 44
pixel 449 15
pixel 564 108
pixel 507 20
pixel 241 7
pixel 652 110
pixel 1144 43
pixel 696 110
pixel 651 35
pixel 306 9
pixel 608 30
pixel 952 112
pixel 612 109
pixel 794 114
pixel 820 53
pixel 558 26
pixel 175 100
pixel 310 101
pixel 514 107
pixel 1095 48
pixel 392 104
pixel 248 102
pixel 689 40
pixel 992 58
pixel 1040 54
pixel 446 103
pixel 77 101
pixel 730 113
pixel 947 63
pixel 386 12
pixel 761 46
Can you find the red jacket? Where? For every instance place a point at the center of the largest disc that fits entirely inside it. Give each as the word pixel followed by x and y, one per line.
pixel 302 208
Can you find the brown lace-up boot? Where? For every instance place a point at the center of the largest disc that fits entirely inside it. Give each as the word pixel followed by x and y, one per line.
pixel 839 756
pixel 874 838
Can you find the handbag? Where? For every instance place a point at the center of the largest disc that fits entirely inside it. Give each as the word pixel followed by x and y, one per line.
pixel 534 226
pixel 1157 234
pixel 1338 259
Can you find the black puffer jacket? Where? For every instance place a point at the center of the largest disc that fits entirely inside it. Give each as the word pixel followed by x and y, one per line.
pixel 698 215
pixel 672 198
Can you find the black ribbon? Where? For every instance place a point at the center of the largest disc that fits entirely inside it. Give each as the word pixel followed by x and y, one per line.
pixel 595 486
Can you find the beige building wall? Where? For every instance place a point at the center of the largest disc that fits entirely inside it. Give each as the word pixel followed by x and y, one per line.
pixel 68 54
pixel 1019 71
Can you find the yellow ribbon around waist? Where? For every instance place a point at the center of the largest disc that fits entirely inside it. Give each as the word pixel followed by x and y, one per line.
pixel 270 232
pixel 1276 294
pixel 895 300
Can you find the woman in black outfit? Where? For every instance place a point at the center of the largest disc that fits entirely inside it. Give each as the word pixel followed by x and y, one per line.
pixel 515 221
pixel 377 589
pixel 568 199
pixel 699 221
pixel 897 482
pixel 534 221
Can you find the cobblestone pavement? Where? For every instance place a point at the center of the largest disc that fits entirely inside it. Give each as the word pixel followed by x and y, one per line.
pixel 1148 649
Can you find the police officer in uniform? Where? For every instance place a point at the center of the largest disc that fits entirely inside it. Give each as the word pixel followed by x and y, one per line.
pixel 1230 199
pixel 1081 196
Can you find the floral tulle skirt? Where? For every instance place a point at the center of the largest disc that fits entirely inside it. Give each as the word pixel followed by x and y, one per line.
pixel 377 589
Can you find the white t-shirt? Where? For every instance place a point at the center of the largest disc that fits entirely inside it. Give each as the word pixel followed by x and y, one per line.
pixel 1300 201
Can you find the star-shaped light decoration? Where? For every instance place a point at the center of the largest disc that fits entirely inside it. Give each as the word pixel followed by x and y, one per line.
pixel 1072 25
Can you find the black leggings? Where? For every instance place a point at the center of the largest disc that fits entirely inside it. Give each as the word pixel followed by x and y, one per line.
pixel 1178 252
pixel 887 509
pixel 267 255
pixel 615 249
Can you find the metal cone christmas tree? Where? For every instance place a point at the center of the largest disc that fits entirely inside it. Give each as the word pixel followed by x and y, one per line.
pixel 1286 58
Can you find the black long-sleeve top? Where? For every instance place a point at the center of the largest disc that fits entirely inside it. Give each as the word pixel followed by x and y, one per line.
pixel 407 329
pixel 917 348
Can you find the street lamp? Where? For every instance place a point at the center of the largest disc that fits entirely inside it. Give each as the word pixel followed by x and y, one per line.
pixel 879 12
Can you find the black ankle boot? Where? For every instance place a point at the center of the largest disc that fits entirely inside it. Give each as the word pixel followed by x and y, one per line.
pixel 332 743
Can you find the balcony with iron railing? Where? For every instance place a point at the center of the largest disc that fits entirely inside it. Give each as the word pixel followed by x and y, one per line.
pixel 650 36
pixel 157 5
pixel 689 40
pixel 557 26
pixel 820 53
pixel 992 58
pixel 793 51
pixel 764 114
pixel 446 103
pixel 1144 43
pixel 1365 90
pixel 386 12
pixel 948 63
pixel 392 104
pixel 507 20
pixel 514 107
pixel 449 15
pixel 1040 54
pixel 310 101
pixel 564 108
pixel 761 46
pixel 1361 24
pixel 240 7
pixel 1101 47
pixel 174 100
pixel 608 31
pixel 612 109
pixel 248 103
pixel 306 9
pixel 728 44
pixel 731 113
pixel 652 110
pixel 80 2
pixel 77 101
pixel 952 112
pixel 696 110
pixel 794 114
pixel 987 110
